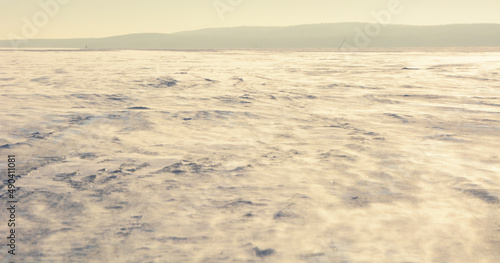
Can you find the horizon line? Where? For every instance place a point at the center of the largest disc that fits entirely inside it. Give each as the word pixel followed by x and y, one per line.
pixel 208 28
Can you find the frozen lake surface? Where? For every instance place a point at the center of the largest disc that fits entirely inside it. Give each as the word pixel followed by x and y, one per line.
pixel 252 156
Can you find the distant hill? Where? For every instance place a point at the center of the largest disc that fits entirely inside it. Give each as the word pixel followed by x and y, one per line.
pixel 302 36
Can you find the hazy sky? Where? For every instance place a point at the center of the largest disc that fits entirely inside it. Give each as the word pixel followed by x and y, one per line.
pixel 100 18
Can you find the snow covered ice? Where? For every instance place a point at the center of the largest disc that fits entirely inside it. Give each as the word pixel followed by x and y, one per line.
pixel 253 155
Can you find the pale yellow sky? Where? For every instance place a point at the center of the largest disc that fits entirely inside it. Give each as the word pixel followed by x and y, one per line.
pixel 101 18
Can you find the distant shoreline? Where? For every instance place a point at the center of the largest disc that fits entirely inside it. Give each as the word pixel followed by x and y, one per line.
pixel 334 50
pixel 344 36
